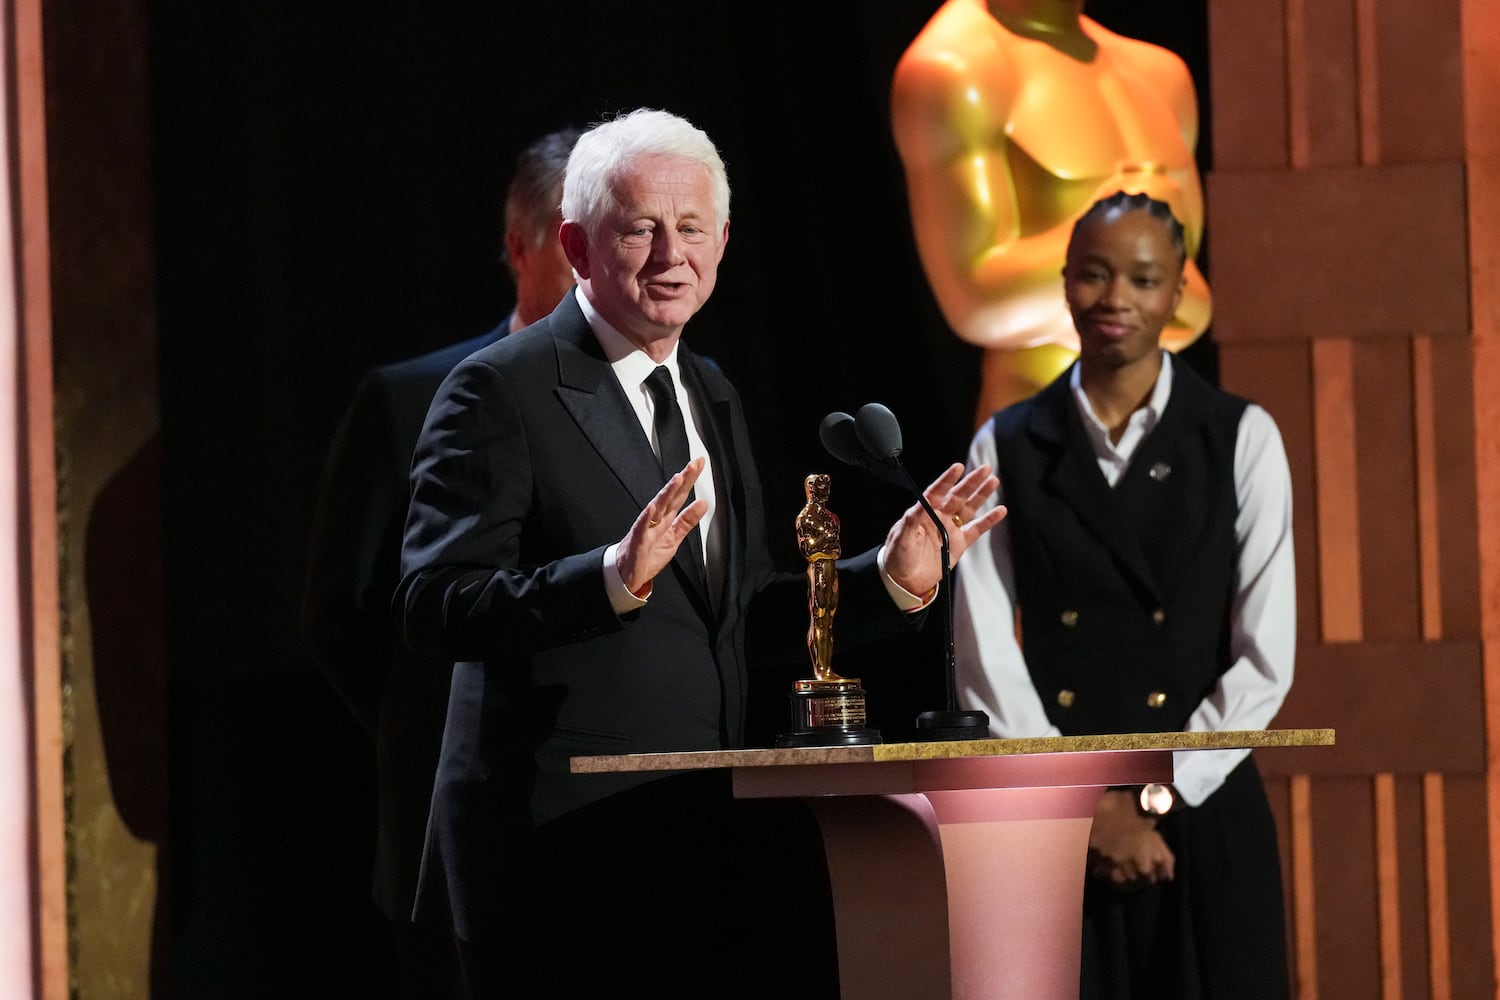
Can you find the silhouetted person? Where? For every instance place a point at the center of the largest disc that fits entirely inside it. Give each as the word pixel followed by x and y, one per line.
pixel 353 568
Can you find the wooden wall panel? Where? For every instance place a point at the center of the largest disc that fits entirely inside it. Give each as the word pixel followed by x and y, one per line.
pixel 1429 576
pixel 1304 958
pixel 1348 940
pixel 1481 103
pixel 1343 245
pixel 1439 952
pixel 1322 40
pixel 1382 700
pixel 1387 477
pixel 1367 72
pixel 33 399
pixel 1387 886
pixel 1409 862
pixel 1278 376
pixel 1419 55
pixel 1248 76
pixel 1340 572
pixel 1457 497
pixel 1339 252
pixel 1481 41
pixel 1279 795
pixel 1469 889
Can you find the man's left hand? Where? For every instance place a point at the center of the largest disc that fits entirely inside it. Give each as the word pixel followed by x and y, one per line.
pixel 913 548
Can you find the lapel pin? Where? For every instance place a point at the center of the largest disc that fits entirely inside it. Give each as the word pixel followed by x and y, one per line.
pixel 1160 471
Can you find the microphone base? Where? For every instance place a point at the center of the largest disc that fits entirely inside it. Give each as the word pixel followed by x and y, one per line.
pixel 937 727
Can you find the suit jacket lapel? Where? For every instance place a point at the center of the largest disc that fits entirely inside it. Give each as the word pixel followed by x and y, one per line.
pixel 1074 478
pixel 588 389
pixel 718 438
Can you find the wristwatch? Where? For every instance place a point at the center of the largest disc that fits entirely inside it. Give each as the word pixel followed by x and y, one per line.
pixel 1156 800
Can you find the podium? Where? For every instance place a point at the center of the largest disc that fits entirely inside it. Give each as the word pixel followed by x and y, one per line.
pixel 957 868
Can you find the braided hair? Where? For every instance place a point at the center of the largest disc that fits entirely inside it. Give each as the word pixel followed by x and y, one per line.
pixel 1123 202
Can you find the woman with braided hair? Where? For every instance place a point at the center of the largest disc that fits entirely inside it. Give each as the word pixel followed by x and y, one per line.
pixel 1143 581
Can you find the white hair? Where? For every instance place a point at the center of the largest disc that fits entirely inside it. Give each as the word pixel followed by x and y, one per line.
pixel 607 150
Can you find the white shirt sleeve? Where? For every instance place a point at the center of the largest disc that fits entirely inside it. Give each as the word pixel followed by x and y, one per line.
pixel 991 672
pixel 1263 617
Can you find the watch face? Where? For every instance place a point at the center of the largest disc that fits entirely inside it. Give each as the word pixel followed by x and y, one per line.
pixel 1157 800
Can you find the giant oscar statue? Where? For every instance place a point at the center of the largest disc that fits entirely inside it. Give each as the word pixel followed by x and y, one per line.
pixel 827 710
pixel 1012 117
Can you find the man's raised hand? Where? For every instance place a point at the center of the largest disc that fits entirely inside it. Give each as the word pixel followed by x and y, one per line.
pixel 652 541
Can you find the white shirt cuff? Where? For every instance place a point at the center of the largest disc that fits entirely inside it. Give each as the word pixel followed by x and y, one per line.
pixel 905 599
pixel 620 597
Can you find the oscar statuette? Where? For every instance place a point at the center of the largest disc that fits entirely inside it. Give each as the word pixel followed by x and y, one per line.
pixel 827 710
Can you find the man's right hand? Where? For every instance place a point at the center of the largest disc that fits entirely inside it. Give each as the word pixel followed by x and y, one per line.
pixel 652 541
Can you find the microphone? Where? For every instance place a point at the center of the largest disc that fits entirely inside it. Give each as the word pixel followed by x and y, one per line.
pixel 878 431
pixel 843 439
pixel 871 439
pixel 840 438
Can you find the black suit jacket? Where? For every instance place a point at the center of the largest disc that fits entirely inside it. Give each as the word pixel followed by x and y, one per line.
pixel 354 564
pixel 531 464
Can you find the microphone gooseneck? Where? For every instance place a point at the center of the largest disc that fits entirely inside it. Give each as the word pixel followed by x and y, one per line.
pixel 871 439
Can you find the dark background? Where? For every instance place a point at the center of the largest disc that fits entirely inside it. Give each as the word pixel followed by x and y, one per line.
pixel 327 189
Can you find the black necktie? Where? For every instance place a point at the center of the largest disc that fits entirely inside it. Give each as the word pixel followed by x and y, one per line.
pixel 666 416
pixel 671 437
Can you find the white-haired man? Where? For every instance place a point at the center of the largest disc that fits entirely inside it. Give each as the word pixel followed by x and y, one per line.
pixel 593 553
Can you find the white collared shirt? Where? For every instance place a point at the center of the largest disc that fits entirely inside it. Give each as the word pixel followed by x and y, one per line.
pixel 632 366
pixel 1114 459
pixel 992 674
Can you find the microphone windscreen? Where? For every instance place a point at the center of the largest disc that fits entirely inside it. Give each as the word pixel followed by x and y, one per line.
pixel 878 430
pixel 839 438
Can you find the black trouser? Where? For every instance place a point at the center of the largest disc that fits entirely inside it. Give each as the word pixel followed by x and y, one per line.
pixel 673 889
pixel 1217 931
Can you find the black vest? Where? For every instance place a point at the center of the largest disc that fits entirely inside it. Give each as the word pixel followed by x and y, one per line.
pixel 1124 594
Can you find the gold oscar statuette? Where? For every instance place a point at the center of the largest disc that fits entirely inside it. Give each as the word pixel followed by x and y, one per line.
pixel 827 710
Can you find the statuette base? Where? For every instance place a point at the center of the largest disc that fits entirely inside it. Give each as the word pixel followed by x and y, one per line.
pixel 828 713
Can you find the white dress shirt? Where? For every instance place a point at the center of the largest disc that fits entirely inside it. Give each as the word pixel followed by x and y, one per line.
pixel 992 674
pixel 632 366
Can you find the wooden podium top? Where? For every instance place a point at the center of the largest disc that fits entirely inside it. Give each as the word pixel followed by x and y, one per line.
pixel 704 759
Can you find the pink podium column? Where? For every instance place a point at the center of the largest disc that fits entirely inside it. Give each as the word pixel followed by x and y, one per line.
pixel 981 857
pixel 1014 861
pixel 957 868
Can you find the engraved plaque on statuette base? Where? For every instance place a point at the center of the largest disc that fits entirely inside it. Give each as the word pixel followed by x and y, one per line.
pixel 828 713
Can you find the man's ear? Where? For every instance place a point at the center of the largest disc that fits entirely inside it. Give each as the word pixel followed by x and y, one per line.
pixel 723 240
pixel 575 244
pixel 516 248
